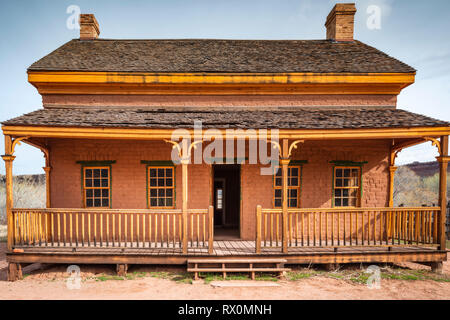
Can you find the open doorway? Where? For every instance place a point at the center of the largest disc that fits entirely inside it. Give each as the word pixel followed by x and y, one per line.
pixel 227 194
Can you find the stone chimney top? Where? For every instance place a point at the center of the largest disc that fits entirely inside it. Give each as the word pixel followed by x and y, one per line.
pixel 89 29
pixel 340 22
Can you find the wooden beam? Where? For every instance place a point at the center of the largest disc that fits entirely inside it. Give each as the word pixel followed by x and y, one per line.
pixel 157 134
pixel 258 229
pixel 184 179
pixel 443 164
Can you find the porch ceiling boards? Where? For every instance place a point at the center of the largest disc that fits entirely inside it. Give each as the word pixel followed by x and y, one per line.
pixel 272 118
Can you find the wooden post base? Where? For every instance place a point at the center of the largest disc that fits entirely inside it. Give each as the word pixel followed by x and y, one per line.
pixel 122 270
pixel 437 267
pixel 331 266
pixel 15 272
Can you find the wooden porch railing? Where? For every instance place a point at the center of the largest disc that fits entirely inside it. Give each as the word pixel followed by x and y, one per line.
pixel 348 227
pixel 112 228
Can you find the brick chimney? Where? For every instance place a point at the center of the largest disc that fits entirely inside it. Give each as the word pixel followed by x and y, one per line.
pixel 89 29
pixel 340 22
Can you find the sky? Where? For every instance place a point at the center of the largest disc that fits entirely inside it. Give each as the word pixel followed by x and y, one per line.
pixel 413 31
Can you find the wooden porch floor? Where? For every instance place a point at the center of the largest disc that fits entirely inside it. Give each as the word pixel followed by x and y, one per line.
pixel 221 248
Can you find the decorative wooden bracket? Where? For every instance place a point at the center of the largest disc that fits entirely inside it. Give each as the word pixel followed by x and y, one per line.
pixel 436 143
pixel 294 146
pixel 276 145
pixel 184 153
pixel 15 142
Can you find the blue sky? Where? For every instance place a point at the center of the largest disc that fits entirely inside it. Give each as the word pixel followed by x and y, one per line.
pixel 415 32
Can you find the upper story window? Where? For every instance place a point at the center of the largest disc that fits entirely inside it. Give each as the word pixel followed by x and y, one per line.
pixel 347 186
pixel 96 187
pixel 161 187
pixel 294 173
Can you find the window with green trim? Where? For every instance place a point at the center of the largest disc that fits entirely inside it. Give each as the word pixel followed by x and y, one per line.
pixel 347 186
pixel 161 186
pixel 294 174
pixel 96 187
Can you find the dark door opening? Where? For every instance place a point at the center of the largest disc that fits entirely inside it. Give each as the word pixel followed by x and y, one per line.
pixel 227 194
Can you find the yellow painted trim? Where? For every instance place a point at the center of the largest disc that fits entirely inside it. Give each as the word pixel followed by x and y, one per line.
pixel 148 134
pixel 218 83
pixel 216 78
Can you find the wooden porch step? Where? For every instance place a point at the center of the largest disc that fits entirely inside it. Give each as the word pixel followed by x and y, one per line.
pixel 235 265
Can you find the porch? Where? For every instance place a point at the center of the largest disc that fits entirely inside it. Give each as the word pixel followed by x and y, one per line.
pixel 319 236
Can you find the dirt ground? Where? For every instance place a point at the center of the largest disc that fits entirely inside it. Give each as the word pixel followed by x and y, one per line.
pixel 51 283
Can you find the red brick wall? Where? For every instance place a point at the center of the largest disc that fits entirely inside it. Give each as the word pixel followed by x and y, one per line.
pixel 129 175
pixel 219 101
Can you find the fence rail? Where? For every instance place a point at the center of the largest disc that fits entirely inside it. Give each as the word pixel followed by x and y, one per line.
pixel 111 228
pixel 348 227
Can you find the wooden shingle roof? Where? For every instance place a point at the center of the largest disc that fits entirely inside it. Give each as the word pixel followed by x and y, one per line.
pixel 172 117
pixel 221 56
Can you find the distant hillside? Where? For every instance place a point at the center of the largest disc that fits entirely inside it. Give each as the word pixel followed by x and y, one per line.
pixel 417 184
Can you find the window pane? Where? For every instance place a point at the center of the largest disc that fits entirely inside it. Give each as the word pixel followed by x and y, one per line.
pixel 293 203
pixel 293 193
pixel 352 202
pixel 294 172
pixel 169 202
pixel 152 172
pixel 337 202
pixel 161 193
pixel 89 193
pixel 345 192
pixel 89 202
pixel 153 182
pixel 161 202
pixel 278 172
pixel 96 173
pixel 293 182
pixel 160 182
pixel 153 192
pixel 169 182
pixel 169 192
pixel 278 182
pixel 96 182
pixel 88 173
pixel 278 193
pixel 277 202
pixel 160 172
pixel 345 202
pixel 346 172
pixel 169 172
pixel 105 193
pixel 338 182
pixel 153 202
pixel 97 192
pixel 338 172
pixel 88 183
pixel 104 173
pixel 97 203
pixel 105 202
pixel 337 193
pixel 104 182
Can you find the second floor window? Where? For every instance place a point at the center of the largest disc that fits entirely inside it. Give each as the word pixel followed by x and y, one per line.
pixel 161 187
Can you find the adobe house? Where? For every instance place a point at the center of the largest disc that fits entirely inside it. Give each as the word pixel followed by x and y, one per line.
pixel 121 190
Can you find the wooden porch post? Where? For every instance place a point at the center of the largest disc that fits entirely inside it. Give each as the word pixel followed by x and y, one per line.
pixel 184 173
pixel 284 167
pixel 47 170
pixel 9 158
pixel 392 169
pixel 443 164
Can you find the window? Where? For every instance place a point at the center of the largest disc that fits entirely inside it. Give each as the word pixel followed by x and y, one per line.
pixel 293 187
pixel 161 187
pixel 347 187
pixel 96 185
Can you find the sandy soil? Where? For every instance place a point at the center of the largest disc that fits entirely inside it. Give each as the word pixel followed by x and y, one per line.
pixel 50 283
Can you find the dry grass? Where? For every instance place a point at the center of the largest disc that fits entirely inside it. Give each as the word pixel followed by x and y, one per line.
pixel 29 192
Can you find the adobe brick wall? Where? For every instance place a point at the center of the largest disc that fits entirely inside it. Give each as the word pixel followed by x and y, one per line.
pixel 230 101
pixel 129 175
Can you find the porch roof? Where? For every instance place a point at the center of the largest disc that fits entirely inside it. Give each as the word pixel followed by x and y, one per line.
pixel 235 117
